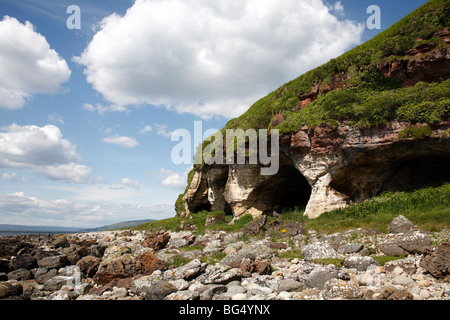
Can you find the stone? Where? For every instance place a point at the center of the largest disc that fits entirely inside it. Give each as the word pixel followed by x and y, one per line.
pixel 260 266
pixel 254 227
pixel 61 241
pixel 436 261
pixel 337 288
pixel 391 248
pixel 415 243
pixel 60 295
pixel 146 264
pixel 289 285
pixel 350 248
pixel 213 247
pixel 53 262
pixel 113 268
pixel 10 288
pixel 408 265
pixel 400 224
pixel 392 293
pixel 187 272
pixel 207 292
pixel 402 280
pixel 89 265
pixel 20 274
pixel 25 261
pixel 156 241
pixel 56 283
pixel 318 250
pixel 319 277
pixel 220 274
pixel 259 249
pixel 359 263
pixel 159 290
pixel 183 295
pixel 141 284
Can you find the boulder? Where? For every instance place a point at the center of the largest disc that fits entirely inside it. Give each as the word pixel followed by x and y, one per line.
pixel 147 263
pixel 159 290
pixel 10 288
pixel 319 277
pixel 254 227
pixel 156 241
pixel 259 249
pixel 219 274
pixel 61 242
pixel 53 262
pixel 318 250
pixel 359 263
pixel 414 242
pixel 400 224
pixel 89 265
pixel 436 261
pixel 391 248
pixel 337 288
pixel 187 272
pixel 350 248
pixel 25 261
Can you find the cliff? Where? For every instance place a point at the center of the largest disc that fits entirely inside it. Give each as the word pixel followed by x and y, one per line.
pixel 375 119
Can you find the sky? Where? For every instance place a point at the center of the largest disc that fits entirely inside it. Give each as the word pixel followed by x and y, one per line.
pixel 89 98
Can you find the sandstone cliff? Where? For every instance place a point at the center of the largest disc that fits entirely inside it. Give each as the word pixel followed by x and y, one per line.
pixel 347 155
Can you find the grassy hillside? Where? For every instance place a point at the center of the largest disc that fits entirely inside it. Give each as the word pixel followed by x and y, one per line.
pixel 358 104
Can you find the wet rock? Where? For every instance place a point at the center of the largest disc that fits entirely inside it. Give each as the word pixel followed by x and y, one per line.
pixel 25 261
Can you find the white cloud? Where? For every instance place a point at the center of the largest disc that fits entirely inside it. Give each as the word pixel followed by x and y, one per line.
pixel 126 183
pixel 338 8
pixel 174 180
pixel 101 109
pixel 145 129
pixel 56 118
pixel 211 57
pixel 161 130
pixel 28 64
pixel 123 141
pixel 41 150
pixel 19 208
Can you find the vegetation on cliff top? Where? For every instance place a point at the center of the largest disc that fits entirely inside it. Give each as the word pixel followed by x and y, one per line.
pixel 360 67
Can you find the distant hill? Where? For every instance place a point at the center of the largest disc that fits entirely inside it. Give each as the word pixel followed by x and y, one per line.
pixel 21 229
pixel 120 225
pixel 32 229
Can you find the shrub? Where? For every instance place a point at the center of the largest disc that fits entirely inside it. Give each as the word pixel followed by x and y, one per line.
pixel 415 132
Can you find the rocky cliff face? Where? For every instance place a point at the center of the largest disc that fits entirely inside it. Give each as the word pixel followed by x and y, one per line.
pixel 326 168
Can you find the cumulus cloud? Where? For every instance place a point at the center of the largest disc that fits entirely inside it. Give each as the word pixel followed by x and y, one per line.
pixel 211 57
pixel 145 129
pixel 19 208
pixel 41 150
pixel 126 183
pixel 174 180
pixel 122 141
pixel 28 64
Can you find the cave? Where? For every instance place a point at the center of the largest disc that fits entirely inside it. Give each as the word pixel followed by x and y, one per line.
pixel 287 189
pixel 368 179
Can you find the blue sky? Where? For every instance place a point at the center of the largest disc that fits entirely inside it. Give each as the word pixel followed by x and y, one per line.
pixel 86 114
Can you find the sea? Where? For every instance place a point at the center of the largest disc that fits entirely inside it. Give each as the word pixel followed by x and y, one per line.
pixel 15 233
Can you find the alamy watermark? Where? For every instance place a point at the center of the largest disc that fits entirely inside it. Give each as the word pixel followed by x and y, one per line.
pixel 74 20
pixel 374 21
pixel 240 146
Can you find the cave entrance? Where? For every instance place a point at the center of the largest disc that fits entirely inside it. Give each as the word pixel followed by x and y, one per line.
pixel 287 189
pixel 367 180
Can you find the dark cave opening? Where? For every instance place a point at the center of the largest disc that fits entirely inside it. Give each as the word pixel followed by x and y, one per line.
pixel 285 190
pixel 367 180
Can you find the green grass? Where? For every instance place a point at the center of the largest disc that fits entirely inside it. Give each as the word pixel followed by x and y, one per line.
pixel 360 65
pixel 428 208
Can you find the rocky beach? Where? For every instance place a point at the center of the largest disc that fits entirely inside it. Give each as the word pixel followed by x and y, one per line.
pixel 283 263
